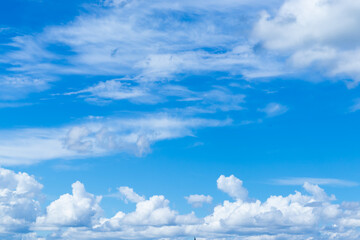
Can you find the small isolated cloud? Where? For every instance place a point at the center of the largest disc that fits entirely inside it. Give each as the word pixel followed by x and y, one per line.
pixel 232 186
pixel 317 181
pixel 273 109
pixel 130 195
pixel 198 200
pixel 356 106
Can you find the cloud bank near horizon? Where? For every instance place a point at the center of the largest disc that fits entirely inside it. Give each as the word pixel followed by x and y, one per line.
pixel 309 214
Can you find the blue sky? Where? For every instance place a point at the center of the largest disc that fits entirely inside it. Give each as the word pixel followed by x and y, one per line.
pixel 133 119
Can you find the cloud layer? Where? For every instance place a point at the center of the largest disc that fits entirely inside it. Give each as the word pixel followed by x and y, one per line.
pixel 310 214
pixel 97 138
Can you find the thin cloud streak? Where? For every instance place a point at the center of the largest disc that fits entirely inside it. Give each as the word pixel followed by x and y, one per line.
pixel 317 181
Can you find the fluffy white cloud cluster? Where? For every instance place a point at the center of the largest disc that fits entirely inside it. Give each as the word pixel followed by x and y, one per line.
pixel 130 195
pixel 19 205
pixel 323 33
pixel 296 216
pixel 232 186
pixel 79 209
pixel 309 215
pixel 152 212
pixel 97 137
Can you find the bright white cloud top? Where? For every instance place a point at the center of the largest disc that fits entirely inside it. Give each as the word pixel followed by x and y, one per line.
pixel 312 214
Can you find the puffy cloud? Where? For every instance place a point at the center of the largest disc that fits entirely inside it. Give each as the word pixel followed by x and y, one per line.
pixel 154 212
pixel 198 200
pixel 79 209
pixel 19 206
pixel 296 216
pixel 308 215
pixel 273 109
pixel 95 138
pixel 232 186
pixel 310 33
pixel 130 195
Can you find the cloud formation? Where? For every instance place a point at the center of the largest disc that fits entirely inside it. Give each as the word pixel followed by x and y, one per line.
pixel 130 195
pixel 311 214
pixel 147 41
pixel 317 181
pixel 232 186
pixel 19 203
pixel 79 209
pixel 321 33
pixel 97 138
pixel 273 109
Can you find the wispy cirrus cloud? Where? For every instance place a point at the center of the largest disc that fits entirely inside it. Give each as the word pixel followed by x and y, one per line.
pixel 317 181
pixel 149 41
pixel 218 98
pixel 96 138
pixel 273 109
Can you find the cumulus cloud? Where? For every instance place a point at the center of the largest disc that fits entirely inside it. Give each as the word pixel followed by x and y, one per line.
pixel 151 216
pixel 76 210
pixel 232 186
pixel 310 214
pixel 198 200
pixel 19 205
pixel 130 195
pixel 320 33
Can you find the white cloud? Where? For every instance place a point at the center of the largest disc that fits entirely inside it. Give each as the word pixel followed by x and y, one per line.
pixel 76 210
pixel 130 195
pixel 144 92
pixel 96 138
pixel 294 217
pixel 273 109
pixel 198 200
pixel 317 181
pixel 146 40
pixel 356 106
pixel 310 33
pixel 14 87
pixel 153 212
pixel 19 206
pixel 232 186
pixel 309 215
